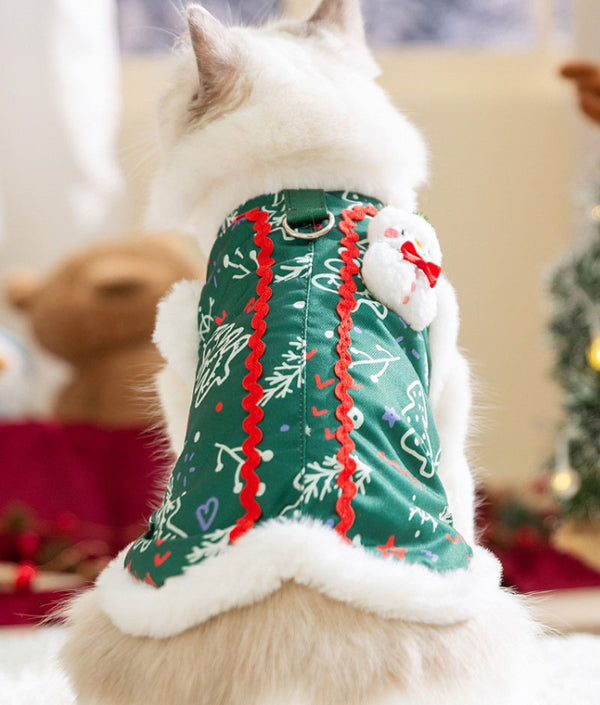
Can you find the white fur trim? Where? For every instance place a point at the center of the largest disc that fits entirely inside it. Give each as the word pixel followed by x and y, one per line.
pixel 176 329
pixel 450 396
pixel 175 396
pixel 309 553
pixel 443 338
pixel 176 337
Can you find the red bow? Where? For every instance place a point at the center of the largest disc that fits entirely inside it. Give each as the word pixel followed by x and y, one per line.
pixel 430 269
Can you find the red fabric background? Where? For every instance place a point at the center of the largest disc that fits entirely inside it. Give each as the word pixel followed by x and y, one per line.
pixel 543 568
pixel 104 480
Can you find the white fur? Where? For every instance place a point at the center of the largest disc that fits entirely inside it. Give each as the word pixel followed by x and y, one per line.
pixel 177 322
pixel 450 396
pixel 308 553
pixel 175 394
pixel 176 336
pixel 30 675
pixel 294 131
pixel 314 118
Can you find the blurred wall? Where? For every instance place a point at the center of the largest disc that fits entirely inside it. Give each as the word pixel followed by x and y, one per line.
pixel 500 135
pixel 500 197
pixel 60 184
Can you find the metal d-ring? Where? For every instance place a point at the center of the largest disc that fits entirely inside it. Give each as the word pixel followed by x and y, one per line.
pixel 309 236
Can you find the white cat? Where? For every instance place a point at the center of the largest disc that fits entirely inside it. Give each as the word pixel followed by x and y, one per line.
pixel 295 615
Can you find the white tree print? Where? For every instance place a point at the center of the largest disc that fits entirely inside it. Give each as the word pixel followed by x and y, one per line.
pixel 235 457
pixel 382 361
pixel 216 357
pixel 212 544
pixel 288 374
pixel 417 444
pixel 165 516
pixel 331 281
pixel 300 269
pixel 320 479
pixel 238 263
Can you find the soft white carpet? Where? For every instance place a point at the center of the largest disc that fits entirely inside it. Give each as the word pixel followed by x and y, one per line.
pixel 30 674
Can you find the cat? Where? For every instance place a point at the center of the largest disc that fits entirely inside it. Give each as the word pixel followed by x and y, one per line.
pixel 254 111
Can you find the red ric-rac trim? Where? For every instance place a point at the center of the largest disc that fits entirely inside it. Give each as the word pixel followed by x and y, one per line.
pixel 347 303
pixel 251 384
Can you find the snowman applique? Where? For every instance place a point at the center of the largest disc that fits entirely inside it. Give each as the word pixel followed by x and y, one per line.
pixel 402 265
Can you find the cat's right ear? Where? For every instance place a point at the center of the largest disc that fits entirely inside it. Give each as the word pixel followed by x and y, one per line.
pixel 217 55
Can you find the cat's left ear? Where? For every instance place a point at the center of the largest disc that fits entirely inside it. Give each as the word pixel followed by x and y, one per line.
pixel 342 16
pixel 217 54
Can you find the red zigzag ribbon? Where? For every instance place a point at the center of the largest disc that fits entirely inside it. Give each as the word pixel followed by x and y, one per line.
pixel 347 303
pixel 255 391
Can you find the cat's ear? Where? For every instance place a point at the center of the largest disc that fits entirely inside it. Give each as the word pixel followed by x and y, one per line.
pixel 217 55
pixel 343 16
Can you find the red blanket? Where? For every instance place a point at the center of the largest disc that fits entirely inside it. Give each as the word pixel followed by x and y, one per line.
pixel 76 481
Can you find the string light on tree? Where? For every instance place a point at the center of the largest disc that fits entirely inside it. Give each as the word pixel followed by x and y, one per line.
pixel 592 314
pixel 593 352
pixel 564 481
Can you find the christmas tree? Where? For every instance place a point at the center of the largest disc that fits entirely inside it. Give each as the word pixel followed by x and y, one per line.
pixel 575 329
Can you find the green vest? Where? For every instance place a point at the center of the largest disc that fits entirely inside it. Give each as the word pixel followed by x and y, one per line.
pixel 310 403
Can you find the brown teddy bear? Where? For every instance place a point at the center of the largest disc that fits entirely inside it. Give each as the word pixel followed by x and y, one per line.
pixel 97 311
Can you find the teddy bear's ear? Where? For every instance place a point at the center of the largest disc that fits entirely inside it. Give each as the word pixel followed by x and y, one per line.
pixel 217 54
pixel 21 288
pixel 344 16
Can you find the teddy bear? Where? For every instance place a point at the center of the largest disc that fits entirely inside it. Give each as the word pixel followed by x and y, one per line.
pixel 96 311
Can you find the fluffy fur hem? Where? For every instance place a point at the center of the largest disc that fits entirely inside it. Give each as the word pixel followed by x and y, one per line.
pixel 309 554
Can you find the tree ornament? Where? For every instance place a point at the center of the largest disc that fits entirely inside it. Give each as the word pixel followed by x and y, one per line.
pixel 593 354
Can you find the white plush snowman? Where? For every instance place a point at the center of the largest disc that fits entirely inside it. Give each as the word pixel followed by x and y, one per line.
pixel 402 265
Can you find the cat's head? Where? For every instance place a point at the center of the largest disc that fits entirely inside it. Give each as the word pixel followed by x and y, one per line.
pixel 293 104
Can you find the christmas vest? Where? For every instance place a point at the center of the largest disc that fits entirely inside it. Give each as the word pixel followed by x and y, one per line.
pixel 310 404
